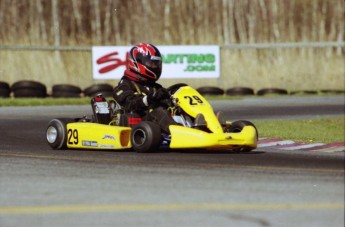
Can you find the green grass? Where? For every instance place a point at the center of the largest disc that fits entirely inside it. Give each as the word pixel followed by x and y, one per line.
pixel 325 130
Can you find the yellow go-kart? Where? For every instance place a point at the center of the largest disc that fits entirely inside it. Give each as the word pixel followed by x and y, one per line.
pixel 112 128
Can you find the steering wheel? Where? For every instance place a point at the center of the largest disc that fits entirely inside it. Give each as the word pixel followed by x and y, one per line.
pixel 173 88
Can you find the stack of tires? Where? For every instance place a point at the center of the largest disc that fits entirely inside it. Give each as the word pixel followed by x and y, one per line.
pixel 240 91
pixel 29 88
pixel 269 91
pixel 94 90
pixel 5 90
pixel 66 91
pixel 210 90
pixel 34 89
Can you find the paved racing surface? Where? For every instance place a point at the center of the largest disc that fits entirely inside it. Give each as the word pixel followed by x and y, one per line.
pixel 267 187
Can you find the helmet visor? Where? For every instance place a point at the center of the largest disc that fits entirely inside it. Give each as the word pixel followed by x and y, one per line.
pixel 154 64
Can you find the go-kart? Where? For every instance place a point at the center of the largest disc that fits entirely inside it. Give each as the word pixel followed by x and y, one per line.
pixel 111 128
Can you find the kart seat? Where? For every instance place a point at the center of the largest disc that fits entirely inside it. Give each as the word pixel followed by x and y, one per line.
pixel 199 120
pixel 220 117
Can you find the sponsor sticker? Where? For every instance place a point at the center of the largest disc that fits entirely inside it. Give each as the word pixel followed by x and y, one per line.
pixel 87 143
pixel 108 137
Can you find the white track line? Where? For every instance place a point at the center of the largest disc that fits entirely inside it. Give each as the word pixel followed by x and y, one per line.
pixel 276 143
pixel 333 149
pixel 303 146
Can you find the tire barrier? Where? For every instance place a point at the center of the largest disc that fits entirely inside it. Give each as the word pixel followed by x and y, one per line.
pixel 93 90
pixel 29 88
pixel 239 91
pixel 5 90
pixel 268 91
pixel 210 91
pixel 329 91
pixel 304 92
pixel 65 91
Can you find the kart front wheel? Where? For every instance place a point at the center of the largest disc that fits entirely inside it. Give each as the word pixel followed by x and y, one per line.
pixel 145 136
pixel 237 126
pixel 57 134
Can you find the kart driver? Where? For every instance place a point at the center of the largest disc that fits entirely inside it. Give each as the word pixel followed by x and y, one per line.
pixel 138 91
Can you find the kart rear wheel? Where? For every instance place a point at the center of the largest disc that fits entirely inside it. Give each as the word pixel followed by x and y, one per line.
pixel 237 126
pixel 146 137
pixel 56 133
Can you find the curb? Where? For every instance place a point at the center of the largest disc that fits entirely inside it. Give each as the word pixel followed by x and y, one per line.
pixel 290 145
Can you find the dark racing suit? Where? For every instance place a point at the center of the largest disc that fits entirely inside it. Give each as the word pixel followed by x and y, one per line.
pixel 138 98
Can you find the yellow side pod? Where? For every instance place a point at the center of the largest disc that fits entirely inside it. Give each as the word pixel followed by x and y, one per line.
pixel 182 137
pixel 97 136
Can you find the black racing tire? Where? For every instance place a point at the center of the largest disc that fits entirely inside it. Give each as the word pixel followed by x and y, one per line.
pixel 29 88
pixel 4 85
pixel 29 93
pixel 106 94
pixel 146 137
pixel 240 91
pixel 66 88
pixel 65 94
pixel 5 90
pixel 268 91
pixel 4 93
pixel 173 88
pixel 28 84
pixel 237 126
pixel 93 90
pixel 56 133
pixel 65 91
pixel 210 91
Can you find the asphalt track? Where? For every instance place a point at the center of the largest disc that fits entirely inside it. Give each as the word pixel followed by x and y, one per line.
pixel 43 187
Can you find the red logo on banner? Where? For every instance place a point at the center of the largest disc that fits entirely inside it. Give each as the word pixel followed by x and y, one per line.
pixel 111 58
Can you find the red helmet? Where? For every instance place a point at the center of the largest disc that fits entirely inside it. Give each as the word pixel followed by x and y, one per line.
pixel 145 61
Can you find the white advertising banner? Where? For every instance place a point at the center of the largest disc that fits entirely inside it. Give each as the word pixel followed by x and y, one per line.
pixel 109 62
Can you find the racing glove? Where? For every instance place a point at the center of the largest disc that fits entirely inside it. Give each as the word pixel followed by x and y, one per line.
pixel 159 95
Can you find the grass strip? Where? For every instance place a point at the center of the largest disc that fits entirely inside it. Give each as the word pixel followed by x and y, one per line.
pixel 324 130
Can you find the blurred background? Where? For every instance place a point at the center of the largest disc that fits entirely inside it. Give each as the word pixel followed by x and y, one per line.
pixel 290 44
